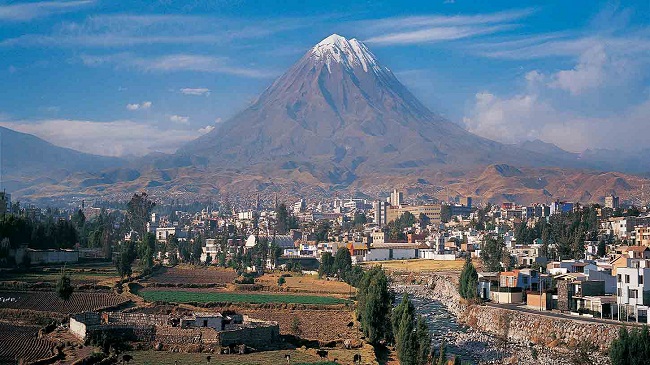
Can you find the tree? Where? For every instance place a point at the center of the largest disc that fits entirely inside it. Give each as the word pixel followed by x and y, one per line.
pixel 359 218
pixel 442 354
pixel 139 211
pixel 281 281
pixel 411 334
pixel 79 219
pixel 146 250
pixel 403 331
pixel 295 326
pixel 423 337
pixel 492 253
pixel 342 263
pixel 445 213
pixel 602 248
pixel 631 347
pixel 326 267
pixel 468 280
pixel 125 260
pixel 374 306
pixel 64 288
pixel 322 230
pixel 282 219
pixel 424 220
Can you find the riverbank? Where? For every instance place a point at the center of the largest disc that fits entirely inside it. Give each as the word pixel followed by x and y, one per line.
pixel 478 333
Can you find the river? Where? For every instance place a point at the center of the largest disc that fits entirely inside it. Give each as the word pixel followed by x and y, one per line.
pixel 473 347
pixel 477 347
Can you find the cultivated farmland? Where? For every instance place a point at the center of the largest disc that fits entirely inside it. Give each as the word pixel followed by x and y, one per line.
pixel 22 342
pixel 49 302
pixel 192 275
pixel 307 284
pixel 256 358
pixel 418 265
pixel 177 296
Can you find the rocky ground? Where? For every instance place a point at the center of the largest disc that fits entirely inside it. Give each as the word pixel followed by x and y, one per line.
pixel 480 347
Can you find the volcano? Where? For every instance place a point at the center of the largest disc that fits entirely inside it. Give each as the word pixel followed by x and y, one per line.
pixel 339 113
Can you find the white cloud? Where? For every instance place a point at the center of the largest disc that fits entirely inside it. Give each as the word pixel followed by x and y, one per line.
pixel 589 73
pixel 195 91
pixel 122 30
pixel 33 10
pixel 206 129
pixel 435 28
pixel 179 119
pixel 117 138
pixel 436 34
pixel 217 121
pixel 144 105
pixel 175 63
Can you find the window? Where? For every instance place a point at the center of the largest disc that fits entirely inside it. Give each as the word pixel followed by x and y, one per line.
pixel 632 293
pixel 620 293
pixel 640 279
pixel 618 277
pixel 627 279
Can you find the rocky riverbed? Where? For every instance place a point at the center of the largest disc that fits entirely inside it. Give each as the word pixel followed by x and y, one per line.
pixel 438 302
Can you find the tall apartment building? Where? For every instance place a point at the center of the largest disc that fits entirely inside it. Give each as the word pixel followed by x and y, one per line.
pixel 612 202
pixel 431 211
pixel 396 198
pixel 381 210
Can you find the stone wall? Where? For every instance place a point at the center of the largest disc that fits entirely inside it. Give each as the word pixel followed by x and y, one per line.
pixel 519 326
pixel 540 329
pixel 259 336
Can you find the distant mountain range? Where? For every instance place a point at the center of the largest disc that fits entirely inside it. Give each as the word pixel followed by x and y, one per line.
pixel 337 120
pixel 26 160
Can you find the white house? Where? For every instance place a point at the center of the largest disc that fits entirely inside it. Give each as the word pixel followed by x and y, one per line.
pixel 633 289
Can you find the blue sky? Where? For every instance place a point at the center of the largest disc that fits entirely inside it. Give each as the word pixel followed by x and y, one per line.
pixel 131 77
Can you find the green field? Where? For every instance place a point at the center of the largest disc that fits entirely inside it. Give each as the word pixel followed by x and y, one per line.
pixel 174 296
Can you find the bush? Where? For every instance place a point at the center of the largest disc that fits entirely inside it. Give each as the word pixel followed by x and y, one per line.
pixel 281 281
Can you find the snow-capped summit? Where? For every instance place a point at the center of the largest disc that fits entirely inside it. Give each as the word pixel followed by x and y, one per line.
pixel 337 113
pixel 351 53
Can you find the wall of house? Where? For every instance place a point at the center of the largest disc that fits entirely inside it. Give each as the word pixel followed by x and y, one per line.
pixel 257 337
pixel 78 329
pixel 535 300
pixel 431 255
pixel 504 297
pixel 40 257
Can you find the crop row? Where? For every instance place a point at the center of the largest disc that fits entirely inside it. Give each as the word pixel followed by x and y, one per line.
pixel 50 302
pixel 174 275
pixel 22 342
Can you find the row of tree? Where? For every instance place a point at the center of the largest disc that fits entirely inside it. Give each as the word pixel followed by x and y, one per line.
pixel 50 233
pixel 401 326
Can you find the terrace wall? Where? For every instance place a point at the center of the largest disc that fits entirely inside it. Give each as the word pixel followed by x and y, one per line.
pixel 259 336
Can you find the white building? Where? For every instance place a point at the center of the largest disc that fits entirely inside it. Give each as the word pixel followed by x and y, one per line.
pixel 162 233
pixel 633 289
pixel 211 248
pixel 396 198
pixel 393 251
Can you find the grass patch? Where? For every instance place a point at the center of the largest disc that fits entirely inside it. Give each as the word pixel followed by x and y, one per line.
pixel 173 296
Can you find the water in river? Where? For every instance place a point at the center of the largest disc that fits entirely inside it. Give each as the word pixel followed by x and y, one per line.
pixel 470 345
